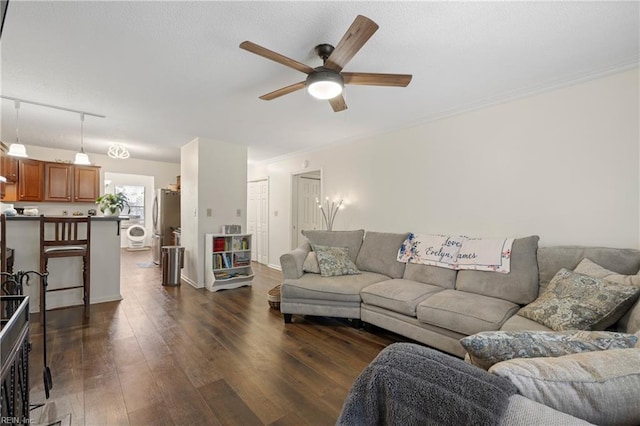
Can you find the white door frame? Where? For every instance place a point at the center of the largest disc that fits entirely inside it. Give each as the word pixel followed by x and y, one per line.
pixel 294 201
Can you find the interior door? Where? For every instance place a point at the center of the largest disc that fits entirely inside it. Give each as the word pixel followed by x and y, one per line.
pixel 258 220
pixel 309 216
pixel 262 221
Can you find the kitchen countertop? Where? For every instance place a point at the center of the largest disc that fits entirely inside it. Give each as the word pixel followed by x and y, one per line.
pixel 93 218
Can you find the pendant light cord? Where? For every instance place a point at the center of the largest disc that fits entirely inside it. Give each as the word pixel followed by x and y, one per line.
pixel 17 118
pixel 82 132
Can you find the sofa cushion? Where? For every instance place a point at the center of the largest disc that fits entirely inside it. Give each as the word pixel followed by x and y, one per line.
pixel 517 323
pixel 334 261
pixel 379 252
pixel 466 313
pixel 518 286
pixel 350 239
pixel 490 347
pixel 576 301
pixel 342 288
pixel 600 387
pixel 397 295
pixel 442 277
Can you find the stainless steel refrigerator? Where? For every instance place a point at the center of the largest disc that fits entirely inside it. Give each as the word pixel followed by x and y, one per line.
pixel 166 217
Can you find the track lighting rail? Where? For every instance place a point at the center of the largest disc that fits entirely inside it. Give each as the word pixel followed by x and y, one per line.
pixel 52 106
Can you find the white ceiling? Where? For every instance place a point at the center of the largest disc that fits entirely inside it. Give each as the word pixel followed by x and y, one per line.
pixel 164 73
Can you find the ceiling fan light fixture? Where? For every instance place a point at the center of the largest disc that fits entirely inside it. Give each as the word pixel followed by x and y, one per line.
pixel 325 84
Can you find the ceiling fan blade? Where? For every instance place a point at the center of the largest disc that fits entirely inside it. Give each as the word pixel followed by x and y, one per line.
pixel 284 91
pixel 373 79
pixel 356 36
pixel 276 57
pixel 338 104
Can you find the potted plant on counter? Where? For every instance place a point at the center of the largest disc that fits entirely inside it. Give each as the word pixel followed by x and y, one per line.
pixel 112 204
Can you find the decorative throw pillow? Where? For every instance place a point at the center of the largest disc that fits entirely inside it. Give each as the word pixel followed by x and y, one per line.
pixel 588 267
pixel 576 301
pixel 599 387
pixel 311 263
pixel 592 269
pixel 334 261
pixel 490 347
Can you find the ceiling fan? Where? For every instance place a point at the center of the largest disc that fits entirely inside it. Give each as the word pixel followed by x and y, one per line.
pixel 328 80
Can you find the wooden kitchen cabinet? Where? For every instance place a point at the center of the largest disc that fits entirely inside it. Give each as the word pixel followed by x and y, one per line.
pixel 58 182
pixel 30 180
pixel 10 167
pixel 86 184
pixel 65 182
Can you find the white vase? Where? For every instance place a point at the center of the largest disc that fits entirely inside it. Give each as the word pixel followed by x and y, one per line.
pixel 107 212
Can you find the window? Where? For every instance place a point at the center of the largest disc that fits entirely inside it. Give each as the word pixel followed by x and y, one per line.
pixel 135 195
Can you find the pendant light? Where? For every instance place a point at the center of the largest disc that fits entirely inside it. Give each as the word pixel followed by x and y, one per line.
pixel 81 157
pixel 17 149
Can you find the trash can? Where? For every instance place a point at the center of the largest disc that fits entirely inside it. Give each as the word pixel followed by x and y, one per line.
pixel 172 262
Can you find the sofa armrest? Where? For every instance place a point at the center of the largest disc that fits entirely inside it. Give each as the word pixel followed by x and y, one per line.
pixel 291 263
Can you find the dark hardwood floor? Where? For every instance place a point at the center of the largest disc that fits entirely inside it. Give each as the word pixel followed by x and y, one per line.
pixel 178 356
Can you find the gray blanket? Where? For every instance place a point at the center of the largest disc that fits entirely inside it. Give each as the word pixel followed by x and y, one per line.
pixel 408 384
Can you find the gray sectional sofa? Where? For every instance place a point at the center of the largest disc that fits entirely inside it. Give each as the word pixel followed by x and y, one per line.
pixel 438 307
pixel 433 305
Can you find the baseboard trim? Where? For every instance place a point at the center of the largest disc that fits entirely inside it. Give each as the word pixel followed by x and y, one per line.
pixel 190 282
pixel 276 267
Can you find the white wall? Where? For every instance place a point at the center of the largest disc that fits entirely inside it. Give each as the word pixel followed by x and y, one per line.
pixel 213 176
pixel 562 164
pixel 189 187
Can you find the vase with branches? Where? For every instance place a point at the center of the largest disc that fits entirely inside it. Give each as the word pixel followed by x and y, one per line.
pixel 329 210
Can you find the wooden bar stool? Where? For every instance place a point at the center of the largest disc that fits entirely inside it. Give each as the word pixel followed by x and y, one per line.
pixel 66 237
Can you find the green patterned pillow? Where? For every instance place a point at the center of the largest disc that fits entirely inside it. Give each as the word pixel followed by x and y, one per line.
pixel 334 261
pixel 579 302
pixel 490 347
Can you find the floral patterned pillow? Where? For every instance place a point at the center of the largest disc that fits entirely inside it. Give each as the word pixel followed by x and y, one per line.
pixel 490 347
pixel 334 261
pixel 580 302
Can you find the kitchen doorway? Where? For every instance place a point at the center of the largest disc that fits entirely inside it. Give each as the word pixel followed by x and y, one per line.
pixel 117 181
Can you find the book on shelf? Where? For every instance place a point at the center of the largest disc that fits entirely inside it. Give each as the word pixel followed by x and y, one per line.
pixel 219 244
pixel 227 261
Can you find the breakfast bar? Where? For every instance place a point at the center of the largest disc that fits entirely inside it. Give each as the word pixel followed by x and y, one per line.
pixel 23 235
